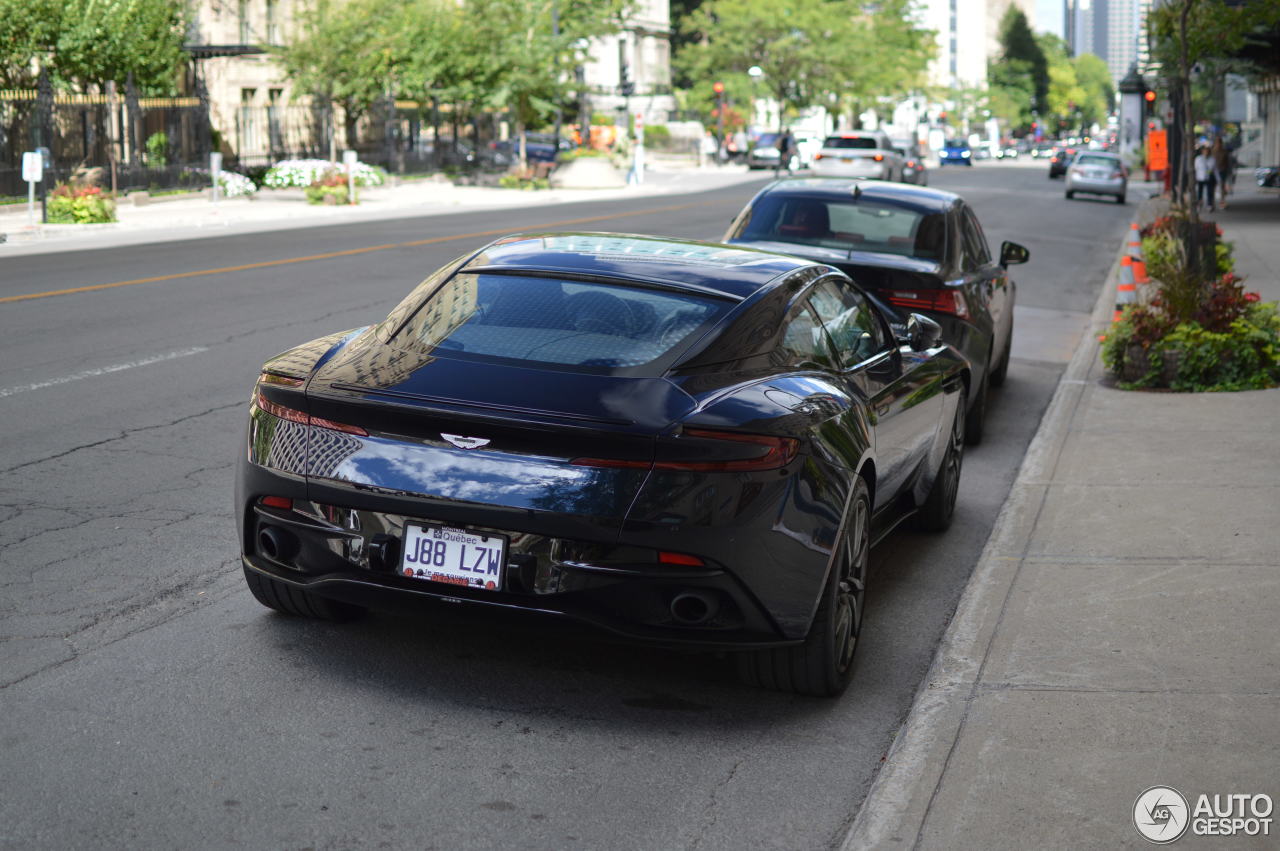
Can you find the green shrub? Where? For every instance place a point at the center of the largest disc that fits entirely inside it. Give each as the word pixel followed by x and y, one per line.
pixel 515 181
pixel 657 135
pixel 580 154
pixel 80 205
pixel 157 146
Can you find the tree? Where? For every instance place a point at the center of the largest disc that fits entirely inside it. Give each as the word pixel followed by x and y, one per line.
pixel 1099 94
pixel 1186 33
pixel 1018 44
pixel 345 53
pixel 804 47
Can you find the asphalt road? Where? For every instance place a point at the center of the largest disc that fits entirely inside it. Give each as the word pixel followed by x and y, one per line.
pixel 147 701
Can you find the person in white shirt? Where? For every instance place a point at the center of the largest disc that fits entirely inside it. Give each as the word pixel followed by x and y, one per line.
pixel 1206 178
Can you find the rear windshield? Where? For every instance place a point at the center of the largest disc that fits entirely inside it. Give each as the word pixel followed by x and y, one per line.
pixel 1097 159
pixel 766 139
pixel 854 225
pixel 850 142
pixel 554 323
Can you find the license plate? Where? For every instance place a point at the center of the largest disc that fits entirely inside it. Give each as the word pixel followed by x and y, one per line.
pixel 453 556
pixel 846 159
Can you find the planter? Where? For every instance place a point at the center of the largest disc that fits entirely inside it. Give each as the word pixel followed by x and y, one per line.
pixel 1136 365
pixel 588 173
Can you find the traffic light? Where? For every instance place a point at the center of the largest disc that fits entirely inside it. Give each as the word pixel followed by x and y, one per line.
pixel 718 88
pixel 625 86
pixel 1150 101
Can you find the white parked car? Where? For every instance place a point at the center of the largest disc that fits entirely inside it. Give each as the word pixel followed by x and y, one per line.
pixel 859 153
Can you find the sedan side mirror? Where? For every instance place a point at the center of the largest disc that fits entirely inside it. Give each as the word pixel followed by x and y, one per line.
pixel 922 332
pixel 1011 254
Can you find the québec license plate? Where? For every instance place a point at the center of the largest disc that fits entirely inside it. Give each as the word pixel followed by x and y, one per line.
pixel 453 556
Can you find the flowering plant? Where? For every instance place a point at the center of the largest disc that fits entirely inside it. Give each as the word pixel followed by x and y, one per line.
pixel 303 173
pixel 80 205
pixel 231 184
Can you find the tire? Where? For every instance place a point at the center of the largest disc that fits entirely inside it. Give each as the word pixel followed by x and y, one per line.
pixel 939 506
pixel 288 600
pixel 975 420
pixel 1001 370
pixel 1120 199
pixel 823 665
pixel 1070 194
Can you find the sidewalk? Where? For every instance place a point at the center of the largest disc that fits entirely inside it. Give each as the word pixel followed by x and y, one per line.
pixel 1122 628
pixel 185 217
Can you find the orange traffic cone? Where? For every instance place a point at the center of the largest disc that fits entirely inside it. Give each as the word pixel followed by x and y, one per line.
pixel 1126 288
pixel 1135 253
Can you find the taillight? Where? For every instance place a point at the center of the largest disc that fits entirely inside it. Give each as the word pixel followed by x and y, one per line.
pixel 878 158
pixel 277 502
pixel 302 418
pixel 911 163
pixel 766 453
pixel 685 559
pixel 817 156
pixel 947 300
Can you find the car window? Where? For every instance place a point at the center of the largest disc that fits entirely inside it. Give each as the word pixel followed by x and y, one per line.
pixel 849 321
pixel 850 142
pixel 859 225
pixel 1097 159
pixel 975 240
pixel 804 343
pixel 554 323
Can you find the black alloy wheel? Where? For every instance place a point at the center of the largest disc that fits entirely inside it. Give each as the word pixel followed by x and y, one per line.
pixel 286 599
pixel 823 665
pixel 940 505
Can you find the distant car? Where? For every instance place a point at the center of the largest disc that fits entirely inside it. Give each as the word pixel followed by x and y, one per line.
pixel 1267 177
pixel 955 152
pixel 918 249
pixel 1098 173
pixel 859 153
pixel 807 146
pixel 914 169
pixel 678 443
pixel 1042 152
pixel 765 154
pixel 1059 159
pixel 1007 152
pixel 984 151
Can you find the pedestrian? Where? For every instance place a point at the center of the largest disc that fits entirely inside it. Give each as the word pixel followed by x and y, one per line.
pixel 1222 170
pixel 1205 178
pixel 740 142
pixel 709 148
pixel 786 150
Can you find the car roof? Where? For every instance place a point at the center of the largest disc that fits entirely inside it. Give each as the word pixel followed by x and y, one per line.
pixel 707 267
pixel 923 198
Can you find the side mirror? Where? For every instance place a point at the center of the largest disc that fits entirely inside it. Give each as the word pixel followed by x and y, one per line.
pixel 922 332
pixel 1011 254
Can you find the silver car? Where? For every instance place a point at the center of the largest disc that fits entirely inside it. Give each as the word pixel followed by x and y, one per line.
pixel 861 153
pixel 1098 173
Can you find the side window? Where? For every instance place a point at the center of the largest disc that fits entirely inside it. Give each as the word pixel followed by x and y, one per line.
pixel 974 240
pixel 804 343
pixel 849 321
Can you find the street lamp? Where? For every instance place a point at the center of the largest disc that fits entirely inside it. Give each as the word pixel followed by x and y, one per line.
pixel 755 72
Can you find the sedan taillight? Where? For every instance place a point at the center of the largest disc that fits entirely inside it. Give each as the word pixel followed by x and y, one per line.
pixel 943 301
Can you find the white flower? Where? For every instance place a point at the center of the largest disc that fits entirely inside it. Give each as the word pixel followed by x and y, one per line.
pixel 303 173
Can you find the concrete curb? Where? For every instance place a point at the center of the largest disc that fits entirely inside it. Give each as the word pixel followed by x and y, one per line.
pixel 897 805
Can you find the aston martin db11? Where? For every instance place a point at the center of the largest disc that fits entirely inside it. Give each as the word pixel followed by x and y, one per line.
pixel 678 442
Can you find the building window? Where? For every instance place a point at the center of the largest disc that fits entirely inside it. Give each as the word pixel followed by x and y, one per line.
pixel 246 32
pixel 273 24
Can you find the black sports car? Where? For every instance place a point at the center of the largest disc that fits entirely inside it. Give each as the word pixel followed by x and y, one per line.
pixel 679 442
pixel 918 249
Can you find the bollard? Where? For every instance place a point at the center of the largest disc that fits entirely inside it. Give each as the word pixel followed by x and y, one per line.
pixel 1126 288
pixel 1135 253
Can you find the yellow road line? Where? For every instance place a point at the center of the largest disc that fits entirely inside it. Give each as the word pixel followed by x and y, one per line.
pixel 332 254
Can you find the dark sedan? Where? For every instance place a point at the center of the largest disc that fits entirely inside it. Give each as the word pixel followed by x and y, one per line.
pixel 919 249
pixel 678 442
pixel 1059 159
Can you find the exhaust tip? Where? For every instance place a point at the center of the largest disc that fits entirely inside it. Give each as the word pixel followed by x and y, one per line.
pixel 693 608
pixel 277 544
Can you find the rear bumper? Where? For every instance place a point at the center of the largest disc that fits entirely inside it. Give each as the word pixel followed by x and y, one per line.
pixel 1097 187
pixel 828 167
pixel 345 545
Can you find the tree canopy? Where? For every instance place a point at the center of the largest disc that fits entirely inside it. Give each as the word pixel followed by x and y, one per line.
pixel 86 43
pixel 813 52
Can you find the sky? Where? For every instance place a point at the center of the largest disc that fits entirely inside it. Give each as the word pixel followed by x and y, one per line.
pixel 1049 16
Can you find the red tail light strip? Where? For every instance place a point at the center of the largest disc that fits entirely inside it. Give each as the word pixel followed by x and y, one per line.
pixel 295 416
pixel 942 300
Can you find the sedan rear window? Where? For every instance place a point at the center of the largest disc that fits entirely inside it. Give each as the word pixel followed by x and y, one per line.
pixel 1097 159
pixel 851 225
pixel 550 322
pixel 850 142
